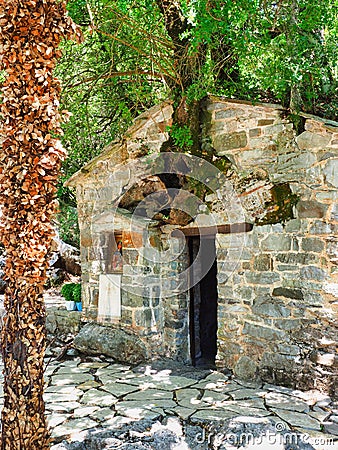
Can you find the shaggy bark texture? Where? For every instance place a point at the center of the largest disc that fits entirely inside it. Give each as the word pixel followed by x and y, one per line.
pixel 30 33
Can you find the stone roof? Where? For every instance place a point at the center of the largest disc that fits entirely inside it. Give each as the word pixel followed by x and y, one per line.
pixel 148 132
pixel 149 128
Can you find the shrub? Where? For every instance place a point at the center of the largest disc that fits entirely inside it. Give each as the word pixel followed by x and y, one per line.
pixel 71 292
pixel 77 293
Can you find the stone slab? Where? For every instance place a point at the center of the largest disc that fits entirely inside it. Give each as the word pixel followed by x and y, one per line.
pixel 211 415
pixel 296 419
pixel 84 411
pixel 102 414
pixel 149 395
pixel 57 419
pixel 119 389
pixel 241 394
pixel 137 410
pixel 51 397
pixel 191 398
pixel 62 407
pixel 70 379
pixel 167 383
pixel 214 398
pixel 73 426
pixel 283 401
pixel 96 397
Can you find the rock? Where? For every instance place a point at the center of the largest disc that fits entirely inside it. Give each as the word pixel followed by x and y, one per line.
pixel 297 419
pixel 313 273
pixel 275 242
pixel 150 194
pixel 265 278
pixel 308 140
pixel 262 332
pixel 228 113
pixel 309 209
pixel 270 307
pixel 282 401
pixel 95 397
pixel 245 368
pixel 331 172
pixel 61 321
pixel 263 263
pixel 65 257
pixel 95 339
pixel 230 141
pixel 296 294
pixel 332 249
pixel 312 245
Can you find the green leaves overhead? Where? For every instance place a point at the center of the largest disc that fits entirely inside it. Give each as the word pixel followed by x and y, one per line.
pixel 260 50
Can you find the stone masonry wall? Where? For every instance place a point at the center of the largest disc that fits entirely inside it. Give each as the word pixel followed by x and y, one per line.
pixel 99 186
pixel 278 285
pixel 278 309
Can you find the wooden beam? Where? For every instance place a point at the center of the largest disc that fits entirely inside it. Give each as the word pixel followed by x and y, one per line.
pixel 227 228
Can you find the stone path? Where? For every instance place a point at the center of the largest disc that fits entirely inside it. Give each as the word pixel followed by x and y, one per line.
pixel 104 397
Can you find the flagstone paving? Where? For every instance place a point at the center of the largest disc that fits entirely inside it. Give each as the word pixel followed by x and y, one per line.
pixel 101 395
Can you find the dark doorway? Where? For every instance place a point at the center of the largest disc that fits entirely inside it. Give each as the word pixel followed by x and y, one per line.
pixel 203 300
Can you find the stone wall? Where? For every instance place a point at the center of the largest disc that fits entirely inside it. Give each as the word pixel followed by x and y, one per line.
pixel 60 322
pixel 278 309
pixel 278 284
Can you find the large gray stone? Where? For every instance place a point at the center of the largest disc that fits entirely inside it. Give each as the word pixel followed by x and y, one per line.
pixel 263 263
pixel 283 401
pixel 293 162
pixel 310 209
pixel 277 242
pixel 261 332
pixel 228 113
pixel 308 140
pixel 296 419
pixel 246 368
pixel 312 245
pixel 95 339
pixel 269 307
pixel 331 172
pixel 295 258
pixel 288 293
pixel 230 141
pixel 262 277
pixel 313 273
pixel 321 227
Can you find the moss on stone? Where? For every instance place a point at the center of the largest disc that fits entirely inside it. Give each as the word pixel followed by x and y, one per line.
pixel 280 208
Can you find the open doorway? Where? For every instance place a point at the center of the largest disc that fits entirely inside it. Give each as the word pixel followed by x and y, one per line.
pixel 203 300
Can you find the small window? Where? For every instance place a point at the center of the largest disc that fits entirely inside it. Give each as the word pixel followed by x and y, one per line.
pixel 115 249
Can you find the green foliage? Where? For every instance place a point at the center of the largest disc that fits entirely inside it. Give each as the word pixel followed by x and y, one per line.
pixel 72 292
pixel 67 291
pixel 68 226
pixel 113 76
pixel 266 50
pixel 258 50
pixel 77 293
pixel 181 136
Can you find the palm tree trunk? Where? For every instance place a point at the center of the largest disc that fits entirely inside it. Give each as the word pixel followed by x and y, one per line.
pixel 30 32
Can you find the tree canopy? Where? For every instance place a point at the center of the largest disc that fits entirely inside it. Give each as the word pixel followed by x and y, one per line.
pixel 137 53
pixel 132 57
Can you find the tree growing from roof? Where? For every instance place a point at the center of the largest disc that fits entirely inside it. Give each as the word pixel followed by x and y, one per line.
pixel 30 33
pixel 138 53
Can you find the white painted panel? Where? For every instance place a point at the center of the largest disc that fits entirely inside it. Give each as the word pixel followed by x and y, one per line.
pixel 109 297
